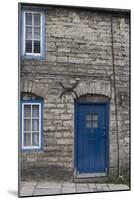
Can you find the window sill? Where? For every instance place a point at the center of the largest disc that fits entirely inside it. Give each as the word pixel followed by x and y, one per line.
pixel 33 57
pixel 32 150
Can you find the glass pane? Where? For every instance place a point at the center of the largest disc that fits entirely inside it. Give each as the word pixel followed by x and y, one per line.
pixel 36 19
pixel 95 124
pixel 27 125
pixel 95 117
pixel 35 125
pixel 89 124
pixel 89 117
pixel 27 110
pixel 35 111
pixel 37 33
pixel 27 139
pixel 28 32
pixel 36 46
pixel 28 18
pixel 35 139
pixel 28 46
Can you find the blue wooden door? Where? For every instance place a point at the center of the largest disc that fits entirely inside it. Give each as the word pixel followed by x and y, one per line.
pixel 91 136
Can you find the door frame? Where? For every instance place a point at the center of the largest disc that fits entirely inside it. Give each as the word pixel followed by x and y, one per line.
pixel 76 114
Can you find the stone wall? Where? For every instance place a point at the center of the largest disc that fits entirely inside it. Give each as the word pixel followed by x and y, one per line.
pixel 79 49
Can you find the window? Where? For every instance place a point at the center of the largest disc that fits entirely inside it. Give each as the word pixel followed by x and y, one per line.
pixel 33 34
pixel 92 121
pixel 31 125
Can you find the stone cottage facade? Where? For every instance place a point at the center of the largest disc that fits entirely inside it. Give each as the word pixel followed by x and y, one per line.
pixel 82 63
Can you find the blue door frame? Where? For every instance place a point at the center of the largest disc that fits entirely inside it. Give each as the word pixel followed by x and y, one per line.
pixel 83 166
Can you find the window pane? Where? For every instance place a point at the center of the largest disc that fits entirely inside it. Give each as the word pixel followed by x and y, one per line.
pixel 27 124
pixel 37 33
pixel 35 125
pixel 28 32
pixel 27 110
pixel 35 111
pixel 28 46
pixel 28 18
pixel 95 124
pixel 89 124
pixel 27 139
pixel 36 19
pixel 89 117
pixel 36 46
pixel 35 139
pixel 95 117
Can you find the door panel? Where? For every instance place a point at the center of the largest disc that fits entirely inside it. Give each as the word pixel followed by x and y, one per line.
pixel 91 138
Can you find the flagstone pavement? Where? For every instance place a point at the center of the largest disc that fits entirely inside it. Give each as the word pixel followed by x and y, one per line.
pixel 51 188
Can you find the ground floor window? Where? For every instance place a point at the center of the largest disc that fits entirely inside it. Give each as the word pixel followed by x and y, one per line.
pixel 31 124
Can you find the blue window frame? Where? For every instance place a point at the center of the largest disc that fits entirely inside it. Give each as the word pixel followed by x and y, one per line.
pixel 31 124
pixel 32 34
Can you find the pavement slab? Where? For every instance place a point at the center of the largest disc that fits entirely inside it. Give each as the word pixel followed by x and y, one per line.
pixel 48 188
pixel 68 190
pixel 67 184
pixel 48 185
pixel 92 185
pixel 46 191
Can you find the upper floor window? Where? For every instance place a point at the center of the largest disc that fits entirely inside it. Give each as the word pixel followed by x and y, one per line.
pixel 33 34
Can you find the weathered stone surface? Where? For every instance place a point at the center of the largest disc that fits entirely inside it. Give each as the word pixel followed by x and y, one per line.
pixel 79 48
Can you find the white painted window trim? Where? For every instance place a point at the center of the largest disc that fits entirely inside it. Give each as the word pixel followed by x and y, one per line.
pixel 24 33
pixel 31 147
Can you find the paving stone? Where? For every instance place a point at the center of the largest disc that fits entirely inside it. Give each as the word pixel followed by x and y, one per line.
pixel 26 191
pixel 103 185
pixel 98 186
pixel 46 191
pixel 105 188
pixel 81 185
pixel 91 190
pixel 82 189
pixel 68 184
pixel 29 184
pixel 68 190
pixel 49 185
pixel 48 188
pixel 21 184
pixel 118 187
pixel 92 185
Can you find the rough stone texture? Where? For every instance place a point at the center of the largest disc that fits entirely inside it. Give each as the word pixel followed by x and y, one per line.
pixel 79 48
